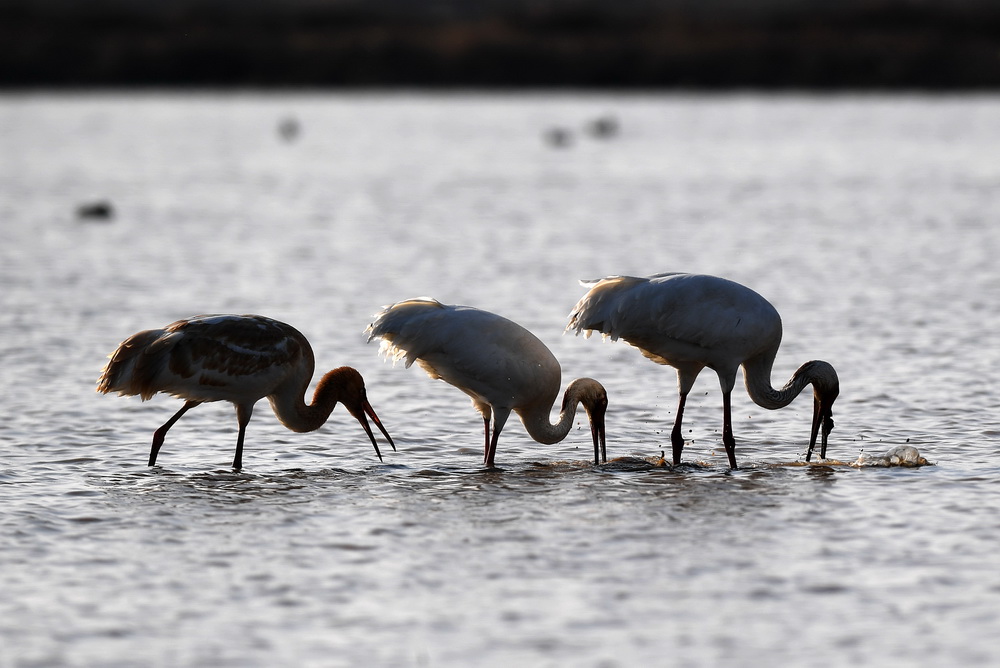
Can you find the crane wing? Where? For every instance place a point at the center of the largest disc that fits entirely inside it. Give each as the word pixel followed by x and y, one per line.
pixel 670 316
pixel 213 352
pixel 484 354
pixel 224 348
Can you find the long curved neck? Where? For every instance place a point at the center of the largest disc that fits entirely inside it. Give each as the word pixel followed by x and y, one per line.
pixel 292 410
pixel 537 424
pixel 757 374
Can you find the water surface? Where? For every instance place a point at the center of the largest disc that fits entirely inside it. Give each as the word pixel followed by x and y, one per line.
pixel 870 223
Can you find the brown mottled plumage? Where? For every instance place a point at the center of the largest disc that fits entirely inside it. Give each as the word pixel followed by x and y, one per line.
pixel 237 358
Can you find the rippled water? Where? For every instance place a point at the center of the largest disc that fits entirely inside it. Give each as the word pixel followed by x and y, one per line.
pixel 870 223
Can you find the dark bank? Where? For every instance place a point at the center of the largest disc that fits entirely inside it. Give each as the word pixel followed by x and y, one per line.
pixel 674 44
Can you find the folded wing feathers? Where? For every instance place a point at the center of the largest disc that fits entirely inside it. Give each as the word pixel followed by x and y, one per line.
pixel 401 330
pixel 220 349
pixel 605 308
pixel 135 364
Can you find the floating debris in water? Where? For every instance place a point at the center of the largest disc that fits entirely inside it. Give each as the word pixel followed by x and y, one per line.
pixel 604 127
pixel 558 137
pixel 289 129
pixel 901 455
pixel 100 210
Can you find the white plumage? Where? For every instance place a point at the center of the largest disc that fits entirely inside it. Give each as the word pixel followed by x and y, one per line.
pixel 690 322
pixel 502 366
pixel 237 358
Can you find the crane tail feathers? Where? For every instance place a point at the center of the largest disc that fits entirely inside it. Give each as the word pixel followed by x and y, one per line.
pixel 400 327
pixel 390 351
pixel 591 282
pixel 600 309
pixel 134 366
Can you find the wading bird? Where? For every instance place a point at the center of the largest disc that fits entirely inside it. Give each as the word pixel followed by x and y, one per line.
pixel 498 363
pixel 691 322
pixel 237 358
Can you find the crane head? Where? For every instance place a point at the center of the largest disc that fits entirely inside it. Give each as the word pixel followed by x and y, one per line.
pixel 351 390
pixel 359 414
pixel 826 389
pixel 594 398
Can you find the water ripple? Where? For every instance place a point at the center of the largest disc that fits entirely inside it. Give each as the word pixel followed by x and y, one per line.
pixel 316 553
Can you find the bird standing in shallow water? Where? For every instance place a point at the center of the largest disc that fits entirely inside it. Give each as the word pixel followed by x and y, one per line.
pixel 694 321
pixel 498 363
pixel 237 358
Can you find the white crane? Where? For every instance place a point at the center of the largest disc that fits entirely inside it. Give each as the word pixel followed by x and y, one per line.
pixel 498 363
pixel 690 322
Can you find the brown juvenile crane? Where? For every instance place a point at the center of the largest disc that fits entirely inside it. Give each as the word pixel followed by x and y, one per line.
pixel 237 358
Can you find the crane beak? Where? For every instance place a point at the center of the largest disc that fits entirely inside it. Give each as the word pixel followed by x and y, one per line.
pixel 598 433
pixel 367 408
pixel 822 424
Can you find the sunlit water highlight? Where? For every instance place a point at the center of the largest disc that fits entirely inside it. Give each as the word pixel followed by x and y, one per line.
pixel 870 223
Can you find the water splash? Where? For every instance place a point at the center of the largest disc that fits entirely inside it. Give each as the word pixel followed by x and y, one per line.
pixel 901 455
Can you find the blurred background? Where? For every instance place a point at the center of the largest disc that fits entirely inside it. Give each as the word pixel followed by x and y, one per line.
pixel 314 160
pixel 700 44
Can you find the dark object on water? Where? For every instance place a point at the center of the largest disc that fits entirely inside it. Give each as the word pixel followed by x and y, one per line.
pixel 100 210
pixel 558 137
pixel 289 129
pixel 604 127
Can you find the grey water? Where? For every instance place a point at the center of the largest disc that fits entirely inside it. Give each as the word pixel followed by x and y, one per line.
pixel 870 222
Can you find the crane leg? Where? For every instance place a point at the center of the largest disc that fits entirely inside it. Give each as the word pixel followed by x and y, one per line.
pixel 492 453
pixel 161 433
pixel 676 438
pixel 486 432
pixel 243 414
pixel 238 459
pixel 499 419
pixel 727 429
